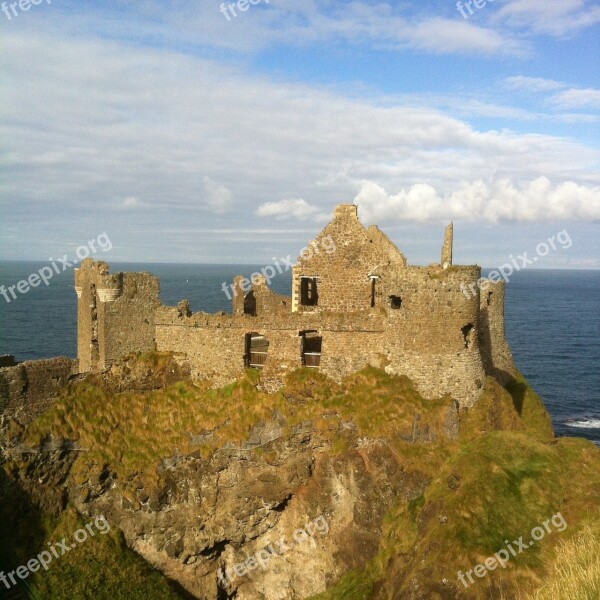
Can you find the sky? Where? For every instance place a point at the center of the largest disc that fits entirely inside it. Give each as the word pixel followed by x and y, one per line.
pixel 202 132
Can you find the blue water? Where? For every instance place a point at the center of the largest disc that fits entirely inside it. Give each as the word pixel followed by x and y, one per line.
pixel 552 325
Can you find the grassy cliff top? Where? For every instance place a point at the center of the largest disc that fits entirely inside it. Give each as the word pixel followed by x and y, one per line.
pixel 502 474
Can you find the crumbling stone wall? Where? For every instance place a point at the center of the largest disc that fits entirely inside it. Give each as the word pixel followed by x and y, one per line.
pixel 27 388
pixel 115 314
pixel 432 334
pixel 215 345
pixel 495 351
pixel 447 247
pixel 7 360
pixel 258 299
pixel 364 305
pixel 344 281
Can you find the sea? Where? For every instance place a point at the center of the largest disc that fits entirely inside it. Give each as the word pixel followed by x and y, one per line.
pixel 552 325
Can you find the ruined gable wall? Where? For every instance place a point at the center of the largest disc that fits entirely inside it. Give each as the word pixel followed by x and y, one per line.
pixel 495 351
pixel 344 284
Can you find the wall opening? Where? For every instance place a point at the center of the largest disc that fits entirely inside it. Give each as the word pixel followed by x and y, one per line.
pixel 489 298
pixel 94 344
pixel 308 291
pixel 257 348
pixel 467 332
pixel 395 302
pixel 373 289
pixel 311 348
pixel 250 304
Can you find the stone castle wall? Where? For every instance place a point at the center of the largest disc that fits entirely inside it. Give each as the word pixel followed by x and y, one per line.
pixel 432 337
pixel 215 345
pixel 259 300
pixel 115 314
pixel 27 388
pixel 352 291
pixel 496 354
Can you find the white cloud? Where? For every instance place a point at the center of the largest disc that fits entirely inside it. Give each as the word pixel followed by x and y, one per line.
pixel 300 23
pixel 218 197
pixel 298 209
pixel 451 36
pixel 577 98
pixel 532 84
pixel 492 201
pixel 556 17
pixel 98 119
pixel 131 202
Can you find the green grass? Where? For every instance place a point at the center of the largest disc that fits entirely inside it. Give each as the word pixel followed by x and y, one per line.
pixel 101 567
pixel 504 474
pixel 129 433
pixel 575 571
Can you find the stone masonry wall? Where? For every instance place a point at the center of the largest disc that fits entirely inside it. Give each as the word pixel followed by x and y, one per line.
pixel 259 297
pixel 432 337
pixel 372 308
pixel 27 388
pixel 129 320
pixel 215 344
pixel 343 274
pixel 115 314
pixel 495 351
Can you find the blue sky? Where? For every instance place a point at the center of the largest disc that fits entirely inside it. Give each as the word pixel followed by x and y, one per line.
pixel 188 136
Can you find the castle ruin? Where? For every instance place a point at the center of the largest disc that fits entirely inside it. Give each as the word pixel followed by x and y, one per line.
pixel 359 305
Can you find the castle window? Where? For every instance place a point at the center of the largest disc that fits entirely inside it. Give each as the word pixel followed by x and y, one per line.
pixel 489 298
pixel 373 279
pixel 250 304
pixel 257 348
pixel 395 302
pixel 467 332
pixel 311 348
pixel 308 291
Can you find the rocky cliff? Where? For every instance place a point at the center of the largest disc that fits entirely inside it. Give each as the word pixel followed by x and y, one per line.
pixel 359 490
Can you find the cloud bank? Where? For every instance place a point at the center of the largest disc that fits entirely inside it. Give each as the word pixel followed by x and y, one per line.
pixel 491 202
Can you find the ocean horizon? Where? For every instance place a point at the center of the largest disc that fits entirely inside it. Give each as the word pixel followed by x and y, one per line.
pixel 551 317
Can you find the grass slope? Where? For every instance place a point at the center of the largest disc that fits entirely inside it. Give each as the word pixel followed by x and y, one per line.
pixel 504 474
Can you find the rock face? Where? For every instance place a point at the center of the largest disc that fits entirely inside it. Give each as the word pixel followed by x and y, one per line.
pixel 305 514
pixel 271 519
pixel 313 488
